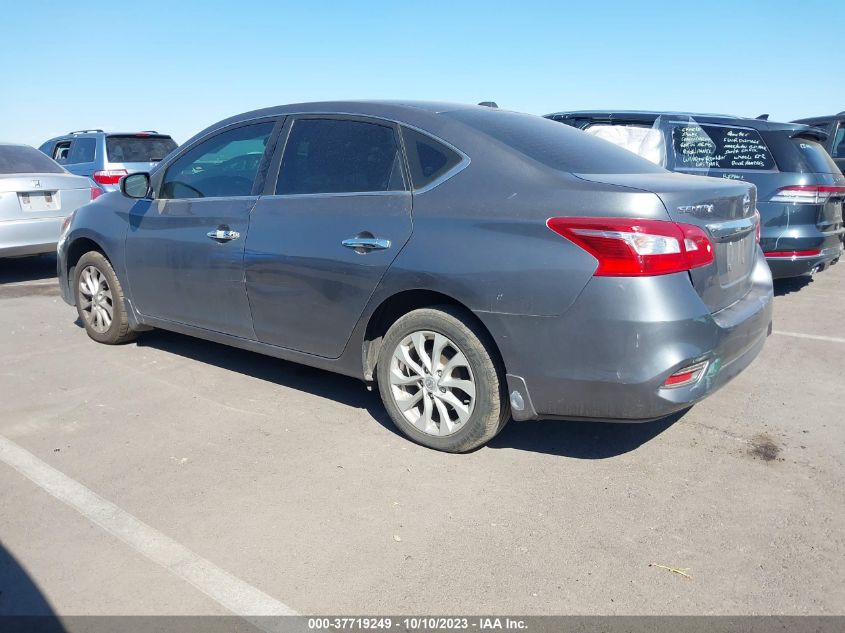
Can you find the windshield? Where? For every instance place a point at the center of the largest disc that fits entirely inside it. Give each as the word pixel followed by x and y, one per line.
pixel 554 144
pixel 138 148
pixel 22 159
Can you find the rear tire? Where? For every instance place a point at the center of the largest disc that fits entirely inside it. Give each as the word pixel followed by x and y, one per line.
pixel 99 300
pixel 441 380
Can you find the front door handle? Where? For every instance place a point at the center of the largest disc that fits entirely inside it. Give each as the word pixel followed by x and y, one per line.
pixel 366 244
pixel 223 234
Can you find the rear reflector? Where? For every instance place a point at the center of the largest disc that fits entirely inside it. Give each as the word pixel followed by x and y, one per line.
pixel 793 254
pixel 636 248
pixel 686 376
pixel 108 176
pixel 807 194
pixel 96 192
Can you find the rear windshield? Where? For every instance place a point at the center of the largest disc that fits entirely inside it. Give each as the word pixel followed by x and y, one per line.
pixel 719 147
pixel 815 156
pixel 556 145
pixel 22 159
pixel 138 149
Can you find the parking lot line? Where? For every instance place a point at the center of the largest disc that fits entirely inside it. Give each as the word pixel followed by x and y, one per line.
pixel 815 337
pixel 227 590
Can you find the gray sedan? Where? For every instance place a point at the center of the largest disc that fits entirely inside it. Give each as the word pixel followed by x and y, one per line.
pixel 36 196
pixel 476 264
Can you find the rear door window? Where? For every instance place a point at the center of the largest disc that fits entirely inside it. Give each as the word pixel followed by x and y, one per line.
pixel 225 165
pixel 138 148
pixel 721 147
pixel 642 140
pixel 428 159
pixel 61 151
pixel 340 156
pixel 82 151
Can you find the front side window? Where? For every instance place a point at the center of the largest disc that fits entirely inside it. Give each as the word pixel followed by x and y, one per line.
pixel 223 166
pixel 82 151
pixel 340 156
pixel 428 159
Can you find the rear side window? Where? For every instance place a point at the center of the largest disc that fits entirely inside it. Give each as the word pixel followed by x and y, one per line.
pixel 815 157
pixel 82 150
pixel 719 147
pixel 223 166
pixel 138 149
pixel 22 159
pixel 428 159
pixel 553 144
pixel 838 146
pixel 340 156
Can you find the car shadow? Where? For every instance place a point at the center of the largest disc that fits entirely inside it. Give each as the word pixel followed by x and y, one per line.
pixel 791 284
pixel 35 268
pixel 23 607
pixel 580 440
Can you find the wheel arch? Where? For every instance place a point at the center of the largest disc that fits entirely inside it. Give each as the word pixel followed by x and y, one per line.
pixel 76 249
pixel 397 305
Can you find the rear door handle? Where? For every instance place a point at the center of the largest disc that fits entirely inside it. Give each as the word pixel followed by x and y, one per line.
pixel 366 244
pixel 223 235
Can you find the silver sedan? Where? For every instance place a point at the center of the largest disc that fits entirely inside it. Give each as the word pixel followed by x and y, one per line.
pixel 36 195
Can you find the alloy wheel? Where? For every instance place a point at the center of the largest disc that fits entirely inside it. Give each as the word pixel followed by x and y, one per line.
pixel 432 383
pixel 96 301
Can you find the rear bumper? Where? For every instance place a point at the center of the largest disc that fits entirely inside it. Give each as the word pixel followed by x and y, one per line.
pixel 29 236
pixel 793 228
pixel 803 265
pixel 609 356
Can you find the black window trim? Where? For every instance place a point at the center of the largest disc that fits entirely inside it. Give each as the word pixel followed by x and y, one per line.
pixel 275 165
pixel 673 166
pixel 260 176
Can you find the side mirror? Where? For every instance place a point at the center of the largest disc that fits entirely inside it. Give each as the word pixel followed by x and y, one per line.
pixel 135 185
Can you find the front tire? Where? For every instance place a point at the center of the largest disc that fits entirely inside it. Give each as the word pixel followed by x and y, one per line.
pixel 99 300
pixel 441 380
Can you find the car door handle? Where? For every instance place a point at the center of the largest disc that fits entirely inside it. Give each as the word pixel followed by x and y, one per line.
pixel 364 244
pixel 223 235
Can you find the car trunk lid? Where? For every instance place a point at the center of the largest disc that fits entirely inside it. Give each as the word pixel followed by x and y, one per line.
pixel 33 196
pixel 724 209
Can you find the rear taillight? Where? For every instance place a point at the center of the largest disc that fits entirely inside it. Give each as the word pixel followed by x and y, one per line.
pixel 108 176
pixel 635 248
pixel 807 194
pixel 96 192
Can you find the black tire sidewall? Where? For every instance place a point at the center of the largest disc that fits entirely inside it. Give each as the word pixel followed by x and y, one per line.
pixel 486 419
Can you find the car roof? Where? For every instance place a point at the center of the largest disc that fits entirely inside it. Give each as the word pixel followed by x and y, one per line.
pixel 648 116
pixel 814 119
pixel 415 113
